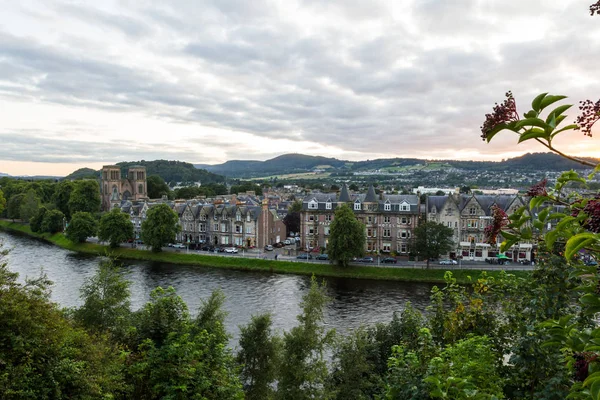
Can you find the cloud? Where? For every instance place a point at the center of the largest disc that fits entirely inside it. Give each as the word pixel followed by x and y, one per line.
pixel 362 78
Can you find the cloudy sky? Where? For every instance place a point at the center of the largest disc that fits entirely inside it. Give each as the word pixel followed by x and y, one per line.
pixel 87 83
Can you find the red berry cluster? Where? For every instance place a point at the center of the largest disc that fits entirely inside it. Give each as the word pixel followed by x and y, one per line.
pixel 503 113
pixel 595 8
pixel 539 189
pixel 499 221
pixel 592 209
pixel 590 114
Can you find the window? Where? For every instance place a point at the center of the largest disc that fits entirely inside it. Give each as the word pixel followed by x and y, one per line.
pixel 216 227
pixel 456 224
pixel 370 247
pixel 370 232
pixel 326 230
pixel 203 217
pixel 248 218
pixel 328 217
pixel 311 231
pixel 370 219
pixel 224 239
pixel 238 217
pixel 404 234
pixel 249 229
pixel 311 217
pixel 224 228
pixel 313 205
pixel 386 247
pixel 328 205
pixel 472 211
pixel 387 207
pixel 387 219
pixel 202 227
pixel 471 239
pixel 449 223
pixel 239 241
pixel 387 232
pixel 140 188
pixel 404 207
pixel 405 220
pixel 403 248
pixel 472 223
pixel 238 229
pixel 356 206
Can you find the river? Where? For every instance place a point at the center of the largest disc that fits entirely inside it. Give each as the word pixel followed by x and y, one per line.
pixel 353 302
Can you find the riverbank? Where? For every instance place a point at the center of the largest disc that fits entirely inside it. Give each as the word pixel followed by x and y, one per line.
pixel 252 264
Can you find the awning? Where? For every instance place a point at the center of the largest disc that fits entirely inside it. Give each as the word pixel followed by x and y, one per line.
pixel 503 256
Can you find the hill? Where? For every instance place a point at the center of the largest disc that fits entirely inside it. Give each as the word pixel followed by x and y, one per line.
pixel 284 164
pixel 170 171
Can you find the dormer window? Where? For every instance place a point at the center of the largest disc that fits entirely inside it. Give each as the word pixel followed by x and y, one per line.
pixel 357 206
pixel 328 205
pixel 238 217
pixel 404 206
pixel 387 206
pixel 313 205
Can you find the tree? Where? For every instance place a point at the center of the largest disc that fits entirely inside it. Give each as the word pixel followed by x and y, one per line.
pixel 85 197
pixel 106 305
pixel 303 369
pixel 259 357
pixel 292 219
pixel 157 187
pixel 465 190
pixel 13 209
pixel 160 226
pixel 35 223
pixel 2 202
pixel 62 195
pixel 82 226
pixel 347 236
pixel 432 239
pixel 54 221
pixel 353 187
pixel 115 227
pixel 29 205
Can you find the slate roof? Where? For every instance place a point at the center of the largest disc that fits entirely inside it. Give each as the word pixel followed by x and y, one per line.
pixel 371 196
pixel 344 195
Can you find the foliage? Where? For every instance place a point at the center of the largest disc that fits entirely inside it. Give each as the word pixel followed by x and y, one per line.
pixel 160 226
pixel 174 171
pixel 258 357
pixel 303 370
pixel 53 221
pixel 62 195
pixel 85 196
pixel 106 305
pixel 115 227
pixel 2 202
pixel 243 187
pixel 347 236
pixel 292 218
pixel 35 223
pixel 82 173
pixel 29 205
pixel 13 209
pixel 157 187
pixel 432 239
pixel 43 355
pixel 82 226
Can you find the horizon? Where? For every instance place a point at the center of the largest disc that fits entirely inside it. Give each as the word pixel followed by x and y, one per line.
pixel 89 84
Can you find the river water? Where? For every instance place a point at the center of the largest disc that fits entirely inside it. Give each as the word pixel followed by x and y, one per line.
pixel 353 302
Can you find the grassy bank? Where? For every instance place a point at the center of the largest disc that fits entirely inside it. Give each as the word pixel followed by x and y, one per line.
pixel 252 264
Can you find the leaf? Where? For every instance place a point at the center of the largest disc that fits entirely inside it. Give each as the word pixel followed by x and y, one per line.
pixel 594 172
pixel 578 242
pixel 550 100
pixel 537 102
pixel 530 122
pixel 550 238
pixel 558 111
pixel 533 133
pixel 566 128
pixel 536 201
pixel 500 127
pixel 530 114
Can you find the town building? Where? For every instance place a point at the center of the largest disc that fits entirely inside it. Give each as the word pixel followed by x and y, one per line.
pixel 389 220
pixel 115 188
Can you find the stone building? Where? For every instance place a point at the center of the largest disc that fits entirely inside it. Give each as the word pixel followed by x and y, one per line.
pixel 389 219
pixel 115 188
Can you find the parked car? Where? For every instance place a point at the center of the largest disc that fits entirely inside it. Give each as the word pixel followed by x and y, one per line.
pixel 269 247
pixel 322 257
pixel 389 260
pixel 207 248
pixel 231 250
pixel 304 256
pixel 366 260
pixel 287 242
pixel 448 262
pixel 179 246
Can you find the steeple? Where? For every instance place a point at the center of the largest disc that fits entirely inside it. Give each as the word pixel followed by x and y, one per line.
pixel 371 196
pixel 344 195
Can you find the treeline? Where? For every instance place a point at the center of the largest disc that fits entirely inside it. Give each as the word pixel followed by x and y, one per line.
pixel 482 342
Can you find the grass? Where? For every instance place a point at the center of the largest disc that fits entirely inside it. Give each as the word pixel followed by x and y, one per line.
pixel 254 264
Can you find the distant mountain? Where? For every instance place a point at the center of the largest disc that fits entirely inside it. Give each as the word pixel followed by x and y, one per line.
pixel 298 163
pixel 170 171
pixel 3 174
pixel 284 164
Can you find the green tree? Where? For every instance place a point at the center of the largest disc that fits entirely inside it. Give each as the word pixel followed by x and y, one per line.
pixel 157 187
pixel 35 223
pixel 82 226
pixel 53 221
pixel 160 226
pixel 85 196
pixel 115 227
pixel 13 209
pixel 303 371
pixel 106 305
pixel 347 236
pixel 62 195
pixel 2 202
pixel 259 357
pixel 432 239
pixel 29 205
pixel 292 219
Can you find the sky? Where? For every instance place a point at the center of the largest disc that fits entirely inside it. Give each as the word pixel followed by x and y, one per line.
pixel 85 84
